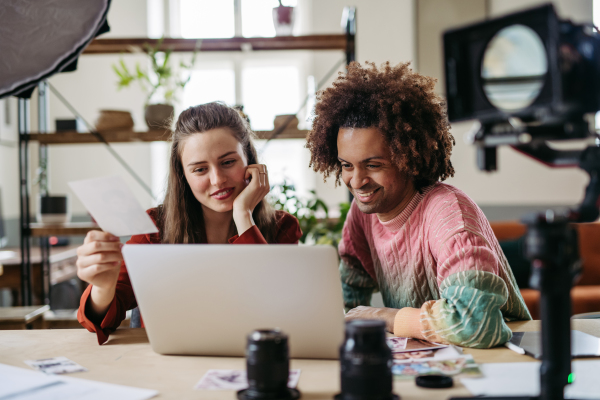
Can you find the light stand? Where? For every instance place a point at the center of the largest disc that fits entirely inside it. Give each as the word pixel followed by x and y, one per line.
pixel 551 246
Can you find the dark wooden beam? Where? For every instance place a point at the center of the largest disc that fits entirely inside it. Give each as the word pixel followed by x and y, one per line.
pixel 73 137
pixel 308 42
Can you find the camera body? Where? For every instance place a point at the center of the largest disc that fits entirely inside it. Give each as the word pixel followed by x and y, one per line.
pixel 549 73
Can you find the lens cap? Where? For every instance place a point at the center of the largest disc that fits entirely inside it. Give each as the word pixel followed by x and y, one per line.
pixel 434 381
pixel 291 394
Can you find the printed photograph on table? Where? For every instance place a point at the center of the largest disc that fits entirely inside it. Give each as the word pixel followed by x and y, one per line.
pixel 462 367
pixel 413 355
pixel 55 365
pixel 234 379
pixel 445 353
pixel 396 343
pixel 419 345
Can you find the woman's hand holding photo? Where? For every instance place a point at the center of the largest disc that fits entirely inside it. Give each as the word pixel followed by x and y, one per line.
pixel 98 263
pixel 248 199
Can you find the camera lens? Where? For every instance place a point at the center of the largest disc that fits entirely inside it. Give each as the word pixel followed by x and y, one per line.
pixel 366 362
pixel 268 367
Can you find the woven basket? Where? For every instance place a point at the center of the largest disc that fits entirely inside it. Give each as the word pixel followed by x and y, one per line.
pixel 280 120
pixel 114 120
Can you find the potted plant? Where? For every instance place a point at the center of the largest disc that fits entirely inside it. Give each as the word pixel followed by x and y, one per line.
pixel 283 20
pixel 161 82
pixel 51 209
pixel 312 214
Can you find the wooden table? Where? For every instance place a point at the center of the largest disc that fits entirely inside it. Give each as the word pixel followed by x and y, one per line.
pixel 127 359
pixel 62 268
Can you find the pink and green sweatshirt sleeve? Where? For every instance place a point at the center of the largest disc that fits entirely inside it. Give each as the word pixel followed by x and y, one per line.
pixel 439 263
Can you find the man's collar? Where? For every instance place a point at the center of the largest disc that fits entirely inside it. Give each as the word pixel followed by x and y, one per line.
pixel 398 221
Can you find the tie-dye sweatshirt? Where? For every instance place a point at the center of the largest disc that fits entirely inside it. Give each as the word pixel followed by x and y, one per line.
pixel 439 262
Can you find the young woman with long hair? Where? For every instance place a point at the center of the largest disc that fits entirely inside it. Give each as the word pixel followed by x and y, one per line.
pixel 215 194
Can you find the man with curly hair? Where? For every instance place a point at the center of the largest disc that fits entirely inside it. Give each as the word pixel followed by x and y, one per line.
pixel 424 244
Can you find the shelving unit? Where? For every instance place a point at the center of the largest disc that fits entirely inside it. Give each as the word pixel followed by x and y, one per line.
pixel 71 228
pixel 344 42
pixel 307 42
pixel 73 137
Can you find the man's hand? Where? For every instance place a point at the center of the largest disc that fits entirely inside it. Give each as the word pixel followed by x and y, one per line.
pixel 384 314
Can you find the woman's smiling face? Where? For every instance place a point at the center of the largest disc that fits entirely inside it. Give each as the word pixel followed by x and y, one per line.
pixel 214 165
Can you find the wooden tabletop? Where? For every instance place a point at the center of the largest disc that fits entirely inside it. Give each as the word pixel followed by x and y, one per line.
pixel 57 253
pixel 22 314
pixel 127 359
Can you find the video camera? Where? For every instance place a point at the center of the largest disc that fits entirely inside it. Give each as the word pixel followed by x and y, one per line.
pixel 529 78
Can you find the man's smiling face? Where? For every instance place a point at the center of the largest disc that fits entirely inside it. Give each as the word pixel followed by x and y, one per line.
pixel 368 171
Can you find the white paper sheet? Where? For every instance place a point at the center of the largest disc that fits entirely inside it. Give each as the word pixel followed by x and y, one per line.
pixel 16 380
pixel 22 384
pixel 522 379
pixel 6 254
pixel 114 207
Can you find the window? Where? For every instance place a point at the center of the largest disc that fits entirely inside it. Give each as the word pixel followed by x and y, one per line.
pixel 206 19
pixel 223 18
pixel 212 83
pixel 267 91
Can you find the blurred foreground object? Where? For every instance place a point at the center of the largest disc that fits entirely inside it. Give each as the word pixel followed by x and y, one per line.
pixel 43 38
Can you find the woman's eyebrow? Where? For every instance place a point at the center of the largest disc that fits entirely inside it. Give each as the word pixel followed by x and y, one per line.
pixel 227 154
pixel 220 157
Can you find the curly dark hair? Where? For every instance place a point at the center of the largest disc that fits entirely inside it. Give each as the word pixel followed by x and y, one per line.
pixel 398 101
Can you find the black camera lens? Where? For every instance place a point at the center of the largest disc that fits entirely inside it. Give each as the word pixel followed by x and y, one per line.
pixel 268 367
pixel 366 362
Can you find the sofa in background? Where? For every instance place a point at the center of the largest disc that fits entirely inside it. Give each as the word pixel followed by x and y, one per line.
pixel 585 294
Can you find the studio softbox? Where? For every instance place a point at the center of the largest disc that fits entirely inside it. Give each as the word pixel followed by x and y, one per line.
pixel 41 38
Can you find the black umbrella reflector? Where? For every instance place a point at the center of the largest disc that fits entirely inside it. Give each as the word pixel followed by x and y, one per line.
pixel 41 38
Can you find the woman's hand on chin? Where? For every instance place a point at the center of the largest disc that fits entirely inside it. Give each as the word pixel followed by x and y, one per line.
pixel 248 199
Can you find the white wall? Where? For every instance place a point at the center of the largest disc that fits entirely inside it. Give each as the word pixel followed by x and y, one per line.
pixel 385 32
pixel 576 10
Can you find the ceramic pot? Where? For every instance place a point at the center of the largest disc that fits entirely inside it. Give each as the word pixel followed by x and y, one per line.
pixel 290 119
pixel 114 120
pixel 53 210
pixel 283 20
pixel 158 116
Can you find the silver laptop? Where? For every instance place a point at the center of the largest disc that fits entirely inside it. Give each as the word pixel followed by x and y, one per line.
pixel 205 299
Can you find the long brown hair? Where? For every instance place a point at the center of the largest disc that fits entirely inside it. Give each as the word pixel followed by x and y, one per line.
pixel 180 217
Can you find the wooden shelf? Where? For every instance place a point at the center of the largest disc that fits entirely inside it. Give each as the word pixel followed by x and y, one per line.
pixel 307 42
pixel 291 133
pixel 73 137
pixel 69 229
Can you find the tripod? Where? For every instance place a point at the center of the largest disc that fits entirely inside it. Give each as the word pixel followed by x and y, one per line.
pixel 552 247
